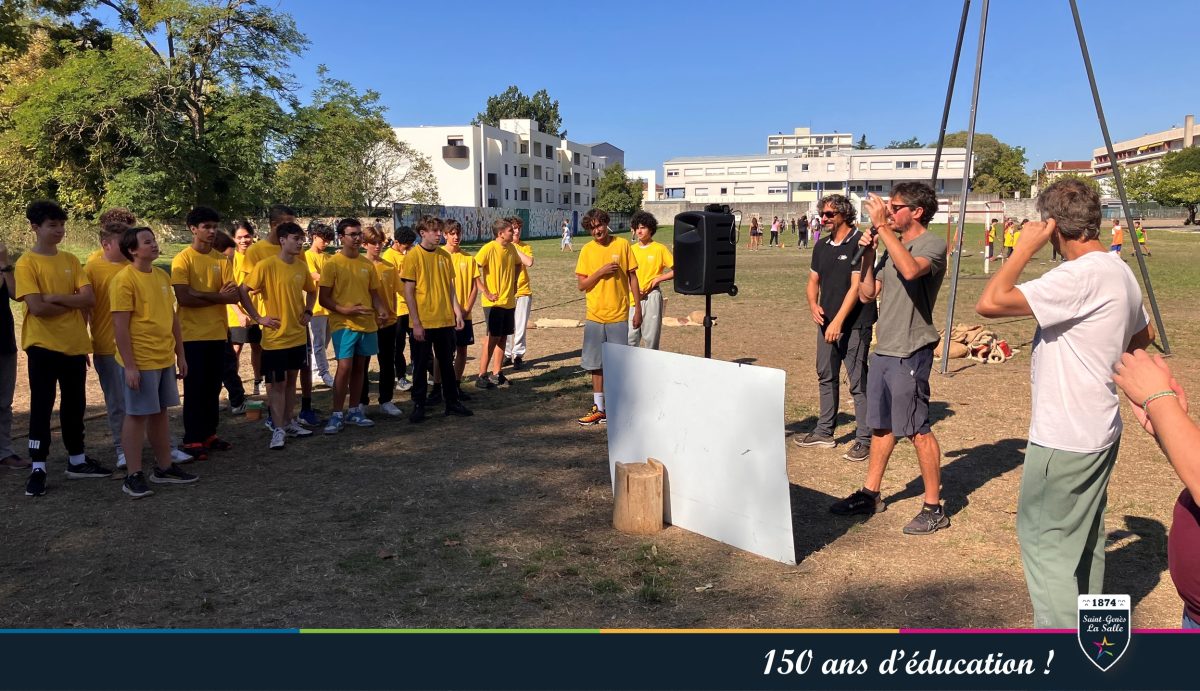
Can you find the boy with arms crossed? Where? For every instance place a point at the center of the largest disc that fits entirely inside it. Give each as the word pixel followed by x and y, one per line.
pixel 607 272
pixel 54 336
pixel 149 342
pixel 288 294
pixel 349 289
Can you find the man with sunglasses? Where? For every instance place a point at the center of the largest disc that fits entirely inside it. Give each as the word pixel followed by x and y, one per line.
pixel 907 285
pixel 843 326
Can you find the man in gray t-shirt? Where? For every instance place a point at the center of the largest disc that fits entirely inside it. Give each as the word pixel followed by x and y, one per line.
pixel 907 285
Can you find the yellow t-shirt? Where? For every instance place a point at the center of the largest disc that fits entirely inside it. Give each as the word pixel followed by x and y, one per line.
pixel 96 254
pixel 501 263
pixel 432 272
pixel 389 283
pixel 239 277
pixel 394 257
pixel 608 300
pixel 258 252
pixel 100 273
pixel 59 274
pixel 465 273
pixel 523 287
pixel 652 260
pixel 352 281
pixel 283 287
pixel 204 273
pixel 316 262
pixel 151 303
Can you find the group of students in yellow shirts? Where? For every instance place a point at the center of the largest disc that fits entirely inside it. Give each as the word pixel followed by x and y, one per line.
pixel 148 328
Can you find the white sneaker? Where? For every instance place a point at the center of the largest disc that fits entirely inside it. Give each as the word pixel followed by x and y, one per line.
pixel 403 384
pixel 335 423
pixel 121 461
pixel 391 409
pixel 180 457
pixel 238 410
pixel 295 430
pixel 359 418
pixel 327 379
pixel 277 438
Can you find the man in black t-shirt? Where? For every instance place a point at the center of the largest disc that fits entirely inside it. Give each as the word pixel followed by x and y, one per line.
pixel 8 364
pixel 843 326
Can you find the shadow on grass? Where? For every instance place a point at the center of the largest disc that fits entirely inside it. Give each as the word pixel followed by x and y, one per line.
pixel 971 469
pixel 1136 566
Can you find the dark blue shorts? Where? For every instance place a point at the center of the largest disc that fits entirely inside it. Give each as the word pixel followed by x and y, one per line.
pixel 898 392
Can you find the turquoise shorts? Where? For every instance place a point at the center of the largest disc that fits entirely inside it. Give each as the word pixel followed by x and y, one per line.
pixel 348 344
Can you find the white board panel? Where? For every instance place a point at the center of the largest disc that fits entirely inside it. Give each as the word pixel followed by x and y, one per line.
pixel 718 429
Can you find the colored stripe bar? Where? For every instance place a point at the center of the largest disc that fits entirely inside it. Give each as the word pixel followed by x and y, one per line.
pixel 987 631
pixel 525 631
pixel 750 631
pixel 147 631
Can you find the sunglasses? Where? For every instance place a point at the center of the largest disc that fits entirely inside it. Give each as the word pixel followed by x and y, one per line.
pixel 828 214
pixel 897 207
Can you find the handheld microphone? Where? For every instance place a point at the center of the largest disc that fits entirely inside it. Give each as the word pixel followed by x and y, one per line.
pixel 860 250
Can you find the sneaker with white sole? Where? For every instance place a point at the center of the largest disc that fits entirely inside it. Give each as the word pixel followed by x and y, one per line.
pixel 277 439
pixel 295 430
pixel 135 486
pixel 358 418
pixel 89 469
pixel 173 475
pixel 857 452
pixel 391 409
pixel 238 410
pixel 403 384
pixel 927 521
pixel 816 439
pixel 335 424
pixel 257 387
pixel 178 456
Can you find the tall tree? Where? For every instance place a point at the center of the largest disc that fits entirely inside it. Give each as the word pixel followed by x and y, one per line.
pixel 1139 183
pixel 910 143
pixel 999 167
pixel 1085 179
pixel 862 144
pixel 514 104
pixel 616 193
pixel 1179 181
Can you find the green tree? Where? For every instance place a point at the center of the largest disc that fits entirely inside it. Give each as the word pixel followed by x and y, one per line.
pixel 1085 179
pixel 1139 183
pixel 999 167
pixel 1179 181
pixel 910 143
pixel 615 193
pixel 862 145
pixel 514 104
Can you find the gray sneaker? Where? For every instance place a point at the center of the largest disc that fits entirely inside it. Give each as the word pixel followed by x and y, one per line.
pixel 926 522
pixel 815 439
pixel 857 452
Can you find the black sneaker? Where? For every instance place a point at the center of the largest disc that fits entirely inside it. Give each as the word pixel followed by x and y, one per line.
pixel 35 486
pixel 816 439
pixel 518 363
pixel 418 414
pixel 859 503
pixel 458 409
pixel 135 486
pixel 88 469
pixel 463 395
pixel 507 361
pixel 927 521
pixel 173 475
pixel 857 452
pixel 484 382
pixel 435 396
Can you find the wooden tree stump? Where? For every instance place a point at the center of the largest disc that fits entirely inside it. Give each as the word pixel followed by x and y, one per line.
pixel 638 504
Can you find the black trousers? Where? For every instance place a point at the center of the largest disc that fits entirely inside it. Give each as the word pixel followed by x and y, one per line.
pixel 439 343
pixel 387 367
pixel 401 334
pixel 49 369
pixel 202 389
pixel 231 378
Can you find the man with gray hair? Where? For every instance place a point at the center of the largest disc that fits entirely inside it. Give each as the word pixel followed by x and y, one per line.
pixel 843 326
pixel 1088 311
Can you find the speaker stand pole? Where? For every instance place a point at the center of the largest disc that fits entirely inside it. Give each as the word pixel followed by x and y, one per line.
pixel 708 325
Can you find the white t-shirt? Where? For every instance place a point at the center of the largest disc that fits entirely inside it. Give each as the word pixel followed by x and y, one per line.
pixel 1087 310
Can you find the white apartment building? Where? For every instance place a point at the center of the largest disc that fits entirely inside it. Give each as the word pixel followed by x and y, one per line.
pixel 801 142
pixel 513 166
pixel 792 178
pixel 1139 151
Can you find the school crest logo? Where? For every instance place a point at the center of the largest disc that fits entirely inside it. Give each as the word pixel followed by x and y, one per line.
pixel 1104 628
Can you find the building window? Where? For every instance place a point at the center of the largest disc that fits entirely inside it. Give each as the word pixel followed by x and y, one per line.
pixel 781 169
pixel 491 178
pixel 693 171
pixel 863 165
pixel 674 193
pixel 454 141
pixel 760 170
pixel 549 152
pixel 701 192
pixel 524 147
pixel 714 171
pixel 506 194
pixel 577 199
pixel 537 194
pixel 575 160
pixel 905 165
pixel 777 189
pixel 524 195
pixel 736 171
pixel 804 186
pixel 672 172
pixel 954 164
pixel 506 169
pixel 537 172
pixel 524 171
pixel 803 167
pixel 881 165
pixel 537 149
pixel 830 167
pixel 743 190
pixel 875 188
pixel 724 190
pixel 576 178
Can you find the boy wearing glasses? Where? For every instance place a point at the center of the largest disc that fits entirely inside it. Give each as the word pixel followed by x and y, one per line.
pixel 843 326
pixel 898 383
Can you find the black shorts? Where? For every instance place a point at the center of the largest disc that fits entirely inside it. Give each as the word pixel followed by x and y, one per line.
pixel 501 321
pixel 466 336
pixel 246 334
pixel 277 363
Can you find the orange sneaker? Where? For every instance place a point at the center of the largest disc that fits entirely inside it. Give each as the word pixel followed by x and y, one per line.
pixel 595 417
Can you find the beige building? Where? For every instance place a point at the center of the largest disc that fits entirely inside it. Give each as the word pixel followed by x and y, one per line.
pixel 1139 151
pixel 801 142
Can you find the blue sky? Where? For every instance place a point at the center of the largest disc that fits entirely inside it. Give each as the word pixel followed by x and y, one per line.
pixel 666 79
